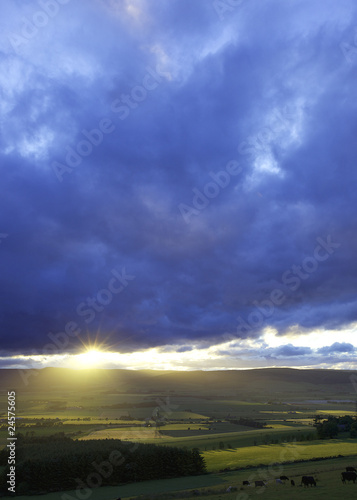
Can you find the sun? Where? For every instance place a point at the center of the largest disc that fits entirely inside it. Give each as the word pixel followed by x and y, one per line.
pixel 90 358
pixel 94 354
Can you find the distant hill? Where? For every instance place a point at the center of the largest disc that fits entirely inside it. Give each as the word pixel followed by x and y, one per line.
pixel 269 382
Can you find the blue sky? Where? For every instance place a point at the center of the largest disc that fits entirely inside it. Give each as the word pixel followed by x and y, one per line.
pixel 178 183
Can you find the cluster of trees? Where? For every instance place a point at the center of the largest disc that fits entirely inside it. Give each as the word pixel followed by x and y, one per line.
pixel 144 404
pixel 57 463
pixel 42 422
pixel 221 445
pixel 285 438
pixel 332 426
pixel 249 422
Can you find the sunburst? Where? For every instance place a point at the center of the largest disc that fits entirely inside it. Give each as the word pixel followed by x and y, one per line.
pixel 95 353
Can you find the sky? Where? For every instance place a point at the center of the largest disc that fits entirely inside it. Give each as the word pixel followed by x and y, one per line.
pixel 178 184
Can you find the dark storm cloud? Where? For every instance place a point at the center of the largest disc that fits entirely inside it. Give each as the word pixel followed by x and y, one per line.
pixel 267 87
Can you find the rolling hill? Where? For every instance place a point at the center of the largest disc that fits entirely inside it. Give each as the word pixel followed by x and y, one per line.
pixel 272 382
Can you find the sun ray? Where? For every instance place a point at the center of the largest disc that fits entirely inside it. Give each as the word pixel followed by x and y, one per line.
pixel 94 353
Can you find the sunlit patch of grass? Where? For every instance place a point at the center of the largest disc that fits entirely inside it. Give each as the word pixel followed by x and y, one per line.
pixel 267 454
pixel 336 412
pixel 129 434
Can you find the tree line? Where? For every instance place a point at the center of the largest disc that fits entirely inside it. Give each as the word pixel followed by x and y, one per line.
pixel 58 463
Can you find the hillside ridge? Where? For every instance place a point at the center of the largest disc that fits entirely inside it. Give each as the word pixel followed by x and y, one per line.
pixel 121 380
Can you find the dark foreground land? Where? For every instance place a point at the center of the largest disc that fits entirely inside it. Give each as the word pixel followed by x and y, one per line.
pixel 253 425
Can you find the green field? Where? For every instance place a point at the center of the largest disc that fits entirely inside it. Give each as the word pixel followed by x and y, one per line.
pixel 256 455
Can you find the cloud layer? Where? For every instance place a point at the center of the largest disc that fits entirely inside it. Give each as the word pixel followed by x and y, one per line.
pixel 205 155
